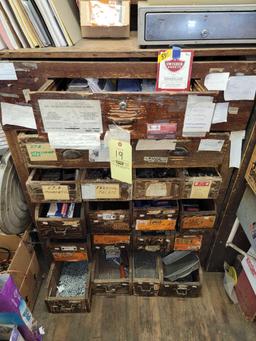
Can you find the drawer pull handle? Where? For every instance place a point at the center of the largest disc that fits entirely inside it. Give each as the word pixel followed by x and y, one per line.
pixel 180 151
pixel 204 33
pixel 56 231
pixel 182 291
pixel 123 105
pixel 70 154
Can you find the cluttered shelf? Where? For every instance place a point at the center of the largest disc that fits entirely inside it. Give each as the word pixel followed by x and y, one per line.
pixel 117 48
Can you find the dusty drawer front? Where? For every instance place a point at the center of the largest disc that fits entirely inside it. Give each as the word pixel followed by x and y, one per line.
pixel 159 183
pixel 79 300
pixel 97 184
pixel 132 111
pixel 37 152
pixel 101 240
pixel 186 242
pixel 58 227
pixel 185 154
pixel 189 286
pixel 151 215
pixel 153 241
pixel 68 251
pixel 201 183
pixel 46 185
pixel 146 273
pixel 197 214
pixel 111 216
pixel 112 271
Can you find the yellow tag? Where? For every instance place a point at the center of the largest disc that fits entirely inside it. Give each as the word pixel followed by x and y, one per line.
pixel 164 55
pixel 55 192
pixel 108 191
pixel 41 152
pixel 120 154
pixel 200 189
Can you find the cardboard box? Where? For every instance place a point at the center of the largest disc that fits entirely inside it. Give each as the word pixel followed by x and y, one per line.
pixel 250 175
pixel 93 31
pixel 23 267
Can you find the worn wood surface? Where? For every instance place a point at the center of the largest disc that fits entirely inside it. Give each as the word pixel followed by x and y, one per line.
pixel 117 48
pixel 128 318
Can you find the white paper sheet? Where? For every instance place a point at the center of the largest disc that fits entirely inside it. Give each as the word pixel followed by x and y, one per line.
pixel 117 133
pixel 7 72
pixel 83 115
pixel 100 154
pixel 249 266
pixel 216 81
pixel 240 88
pixel 220 113
pixel 211 145
pixel 198 116
pixel 73 140
pixel 236 138
pixel 156 145
pixel 18 115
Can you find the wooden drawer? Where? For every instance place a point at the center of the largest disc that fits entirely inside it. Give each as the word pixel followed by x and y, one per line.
pixel 161 183
pixel 155 215
pixel 57 227
pixel 197 214
pixel 187 287
pixel 68 250
pixel 201 183
pixel 45 185
pixel 72 304
pixel 37 153
pixel 101 240
pixel 109 278
pixel 111 216
pixel 132 111
pixel 146 273
pixel 97 184
pixel 186 154
pixel 153 241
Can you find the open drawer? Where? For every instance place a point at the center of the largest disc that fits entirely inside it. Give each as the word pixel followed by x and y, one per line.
pixel 69 250
pixel 185 154
pixel 149 215
pixel 146 273
pixel 197 214
pixel 50 226
pixel 97 184
pixel 54 105
pixel 45 185
pixel 109 216
pixel 201 183
pixel 37 152
pixel 102 240
pixel 112 271
pixel 156 183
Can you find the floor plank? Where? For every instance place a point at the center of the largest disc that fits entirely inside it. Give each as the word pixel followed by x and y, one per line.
pixel 211 317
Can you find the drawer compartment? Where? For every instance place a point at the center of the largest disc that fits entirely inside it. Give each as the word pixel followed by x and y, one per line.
pixel 112 271
pixel 77 297
pixel 109 216
pixel 38 153
pixel 153 241
pixel 178 281
pixel 185 154
pixel 68 251
pixel 188 242
pixel 146 273
pixel 97 184
pixel 101 240
pixel 197 214
pixel 151 215
pixel 60 227
pixel 45 185
pixel 161 183
pixel 201 183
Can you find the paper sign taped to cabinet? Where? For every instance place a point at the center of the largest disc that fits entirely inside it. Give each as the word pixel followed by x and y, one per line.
pixel 7 72
pixel 220 113
pixel 200 189
pixel 41 152
pixel 156 145
pixel 240 88
pixel 216 81
pixel 55 192
pixel 73 140
pixel 18 115
pixel 158 189
pixel 210 145
pixel 100 191
pixel 81 115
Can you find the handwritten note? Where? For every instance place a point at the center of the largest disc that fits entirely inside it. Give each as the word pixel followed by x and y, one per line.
pixel 120 160
pixel 73 140
pixel 55 192
pixel 41 152
pixel 18 115
pixel 108 191
pixel 216 81
pixel 240 88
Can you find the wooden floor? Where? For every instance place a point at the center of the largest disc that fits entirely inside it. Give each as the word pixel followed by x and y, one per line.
pixel 129 318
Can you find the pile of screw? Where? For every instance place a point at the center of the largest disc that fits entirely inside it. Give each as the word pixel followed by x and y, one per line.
pixel 73 279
